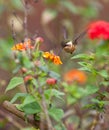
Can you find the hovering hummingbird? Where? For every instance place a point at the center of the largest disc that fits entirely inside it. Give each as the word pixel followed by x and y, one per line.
pixel 70 45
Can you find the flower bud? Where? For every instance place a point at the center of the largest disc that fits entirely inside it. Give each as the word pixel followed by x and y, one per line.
pixel 51 81
pixel 39 40
pixel 27 78
pixel 23 70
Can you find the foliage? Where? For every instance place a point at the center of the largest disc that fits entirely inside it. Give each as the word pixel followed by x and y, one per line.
pixel 50 95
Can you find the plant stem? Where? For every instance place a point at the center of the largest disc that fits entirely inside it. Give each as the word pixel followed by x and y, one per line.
pixel 11 108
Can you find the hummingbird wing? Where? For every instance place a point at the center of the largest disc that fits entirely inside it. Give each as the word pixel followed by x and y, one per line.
pixel 65 36
pixel 78 37
pixel 65 32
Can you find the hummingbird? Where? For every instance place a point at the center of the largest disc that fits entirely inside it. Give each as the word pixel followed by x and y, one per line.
pixel 70 45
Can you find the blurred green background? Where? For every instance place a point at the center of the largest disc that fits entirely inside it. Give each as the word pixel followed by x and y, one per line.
pixel 45 18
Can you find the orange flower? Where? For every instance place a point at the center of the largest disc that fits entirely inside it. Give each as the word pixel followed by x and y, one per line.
pixel 51 56
pixel 75 75
pixel 57 60
pixel 23 46
pixel 19 47
pixel 46 55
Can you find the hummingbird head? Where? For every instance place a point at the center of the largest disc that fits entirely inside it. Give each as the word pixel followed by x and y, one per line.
pixel 68 46
pixel 66 43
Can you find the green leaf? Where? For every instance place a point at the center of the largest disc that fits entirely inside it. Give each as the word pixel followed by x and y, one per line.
pixel 26 62
pixel 17 96
pixel 70 6
pixel 103 73
pixel 30 105
pixel 17 4
pixel 59 126
pixel 84 56
pixel 51 1
pixel 84 64
pixel 14 82
pixel 91 11
pixel 91 89
pixel 57 93
pixel 53 92
pixel 29 128
pixel 54 75
pixel 71 99
pixel 44 68
pixel 35 82
pixel 56 113
pixel 31 108
pixel 105 83
pixel 87 67
pixel 51 13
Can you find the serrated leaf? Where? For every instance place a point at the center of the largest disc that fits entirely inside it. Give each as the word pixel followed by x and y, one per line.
pixel 83 56
pixel 57 93
pixel 84 64
pixel 14 82
pixel 54 75
pixel 35 83
pixel 17 96
pixel 26 62
pixel 31 108
pixel 56 113
pixel 104 73
pixel 30 105
pixel 85 69
pixel 91 89
pixel 53 92
pixel 44 68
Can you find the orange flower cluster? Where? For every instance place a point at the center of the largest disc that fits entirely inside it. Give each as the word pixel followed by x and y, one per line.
pixel 75 75
pixel 23 46
pixel 51 56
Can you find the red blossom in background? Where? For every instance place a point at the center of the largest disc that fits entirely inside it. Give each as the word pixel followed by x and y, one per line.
pixel 99 30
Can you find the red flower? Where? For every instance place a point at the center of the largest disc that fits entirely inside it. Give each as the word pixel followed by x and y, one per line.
pixel 51 81
pixel 99 30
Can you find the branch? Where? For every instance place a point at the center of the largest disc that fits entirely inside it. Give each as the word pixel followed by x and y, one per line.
pixel 12 109
pixel 11 119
